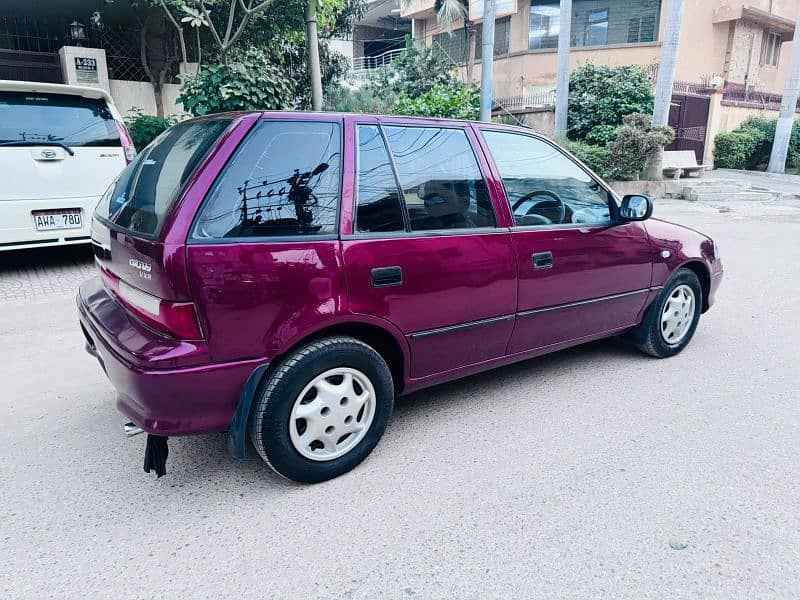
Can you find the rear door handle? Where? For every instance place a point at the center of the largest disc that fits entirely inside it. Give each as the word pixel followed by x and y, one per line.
pixel 387 276
pixel 542 260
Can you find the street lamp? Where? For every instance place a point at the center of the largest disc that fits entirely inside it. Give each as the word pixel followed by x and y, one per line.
pixel 77 32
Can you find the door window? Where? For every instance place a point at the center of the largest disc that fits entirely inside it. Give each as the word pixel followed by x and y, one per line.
pixel 378 206
pixel 282 181
pixel 440 180
pixel 543 185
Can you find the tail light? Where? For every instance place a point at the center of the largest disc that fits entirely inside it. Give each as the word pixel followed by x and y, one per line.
pixel 127 144
pixel 178 319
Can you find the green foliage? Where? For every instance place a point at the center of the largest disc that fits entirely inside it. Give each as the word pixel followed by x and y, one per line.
pixel 601 95
pixel 602 135
pixel 412 73
pixel 338 98
pixel 749 146
pixel 734 149
pixel 450 101
pixel 250 81
pixel 145 128
pixel 595 157
pixel 637 139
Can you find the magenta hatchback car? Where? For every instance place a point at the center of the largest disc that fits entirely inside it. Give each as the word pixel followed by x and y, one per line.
pixel 283 276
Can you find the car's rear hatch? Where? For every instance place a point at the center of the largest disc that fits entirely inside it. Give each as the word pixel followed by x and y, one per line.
pixel 139 264
pixel 58 145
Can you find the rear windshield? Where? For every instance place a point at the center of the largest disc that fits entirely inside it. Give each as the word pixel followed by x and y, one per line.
pixel 142 196
pixel 31 117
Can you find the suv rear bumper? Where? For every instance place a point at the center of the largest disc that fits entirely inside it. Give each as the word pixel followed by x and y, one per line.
pixel 17 229
pixel 163 401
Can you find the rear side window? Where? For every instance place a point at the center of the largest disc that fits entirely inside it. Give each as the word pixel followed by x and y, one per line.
pixel 283 180
pixel 30 117
pixel 378 207
pixel 440 179
pixel 142 196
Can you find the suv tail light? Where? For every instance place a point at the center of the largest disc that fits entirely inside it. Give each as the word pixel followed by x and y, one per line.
pixel 178 319
pixel 127 144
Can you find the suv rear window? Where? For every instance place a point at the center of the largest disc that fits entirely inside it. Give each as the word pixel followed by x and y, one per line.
pixel 142 196
pixel 31 117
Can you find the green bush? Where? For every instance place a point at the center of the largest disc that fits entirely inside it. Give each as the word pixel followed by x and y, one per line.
pixel 602 135
pixel 594 157
pixel 338 98
pixel 451 101
pixel 602 95
pixel 249 81
pixel 734 149
pixel 749 145
pixel 145 128
pixel 413 72
pixel 636 142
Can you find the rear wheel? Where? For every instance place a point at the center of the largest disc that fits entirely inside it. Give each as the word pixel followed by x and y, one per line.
pixel 323 410
pixel 672 318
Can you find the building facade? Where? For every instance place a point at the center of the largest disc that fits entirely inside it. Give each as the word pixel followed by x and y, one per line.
pixel 741 45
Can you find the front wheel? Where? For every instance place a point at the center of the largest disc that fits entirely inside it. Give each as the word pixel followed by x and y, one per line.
pixel 672 318
pixel 323 410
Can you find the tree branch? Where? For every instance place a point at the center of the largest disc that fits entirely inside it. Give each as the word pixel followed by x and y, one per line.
pixel 231 15
pixel 178 28
pixel 213 29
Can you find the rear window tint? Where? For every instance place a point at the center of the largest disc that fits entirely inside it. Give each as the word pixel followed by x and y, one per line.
pixel 283 180
pixel 30 117
pixel 142 196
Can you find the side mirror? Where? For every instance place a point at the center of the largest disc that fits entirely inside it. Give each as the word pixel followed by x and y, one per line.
pixel 636 208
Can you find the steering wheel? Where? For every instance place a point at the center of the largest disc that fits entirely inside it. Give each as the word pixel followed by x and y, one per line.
pixel 553 202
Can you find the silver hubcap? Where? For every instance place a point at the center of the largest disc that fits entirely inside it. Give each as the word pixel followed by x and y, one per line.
pixel 678 314
pixel 332 414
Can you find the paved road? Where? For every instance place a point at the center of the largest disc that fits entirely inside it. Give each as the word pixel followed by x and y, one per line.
pixel 565 476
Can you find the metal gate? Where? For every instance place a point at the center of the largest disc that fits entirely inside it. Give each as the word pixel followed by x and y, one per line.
pixel 688 116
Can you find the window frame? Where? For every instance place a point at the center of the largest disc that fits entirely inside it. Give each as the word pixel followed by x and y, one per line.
pixel 477 151
pixel 771 46
pixel 613 198
pixel 334 235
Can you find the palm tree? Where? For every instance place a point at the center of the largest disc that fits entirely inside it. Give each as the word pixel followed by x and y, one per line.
pixel 448 13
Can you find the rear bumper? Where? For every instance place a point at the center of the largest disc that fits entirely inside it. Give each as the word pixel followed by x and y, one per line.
pixel 17 229
pixel 162 401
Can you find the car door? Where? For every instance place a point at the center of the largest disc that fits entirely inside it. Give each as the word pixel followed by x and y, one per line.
pixel 424 251
pixel 581 274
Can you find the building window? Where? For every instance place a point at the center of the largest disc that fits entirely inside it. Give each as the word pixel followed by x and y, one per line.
pixel 771 49
pixel 454 45
pixel 595 23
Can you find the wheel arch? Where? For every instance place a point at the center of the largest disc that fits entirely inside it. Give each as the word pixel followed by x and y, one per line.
pixel 703 274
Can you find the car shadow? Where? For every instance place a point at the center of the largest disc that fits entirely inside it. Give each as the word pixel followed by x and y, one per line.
pixel 50 257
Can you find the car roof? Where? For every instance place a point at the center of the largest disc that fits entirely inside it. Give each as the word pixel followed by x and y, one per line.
pixel 7 85
pixel 324 115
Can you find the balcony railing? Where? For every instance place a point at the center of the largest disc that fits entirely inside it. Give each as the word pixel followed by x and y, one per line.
pixel 363 64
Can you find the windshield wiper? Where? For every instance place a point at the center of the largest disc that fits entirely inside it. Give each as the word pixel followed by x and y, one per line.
pixel 33 143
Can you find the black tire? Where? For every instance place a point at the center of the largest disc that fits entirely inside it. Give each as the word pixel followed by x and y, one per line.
pixel 273 405
pixel 648 338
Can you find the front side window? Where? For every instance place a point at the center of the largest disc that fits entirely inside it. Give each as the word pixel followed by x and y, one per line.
pixel 140 199
pixel 440 180
pixel 283 180
pixel 595 22
pixel 544 186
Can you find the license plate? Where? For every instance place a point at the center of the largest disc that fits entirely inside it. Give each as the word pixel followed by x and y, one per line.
pixel 47 220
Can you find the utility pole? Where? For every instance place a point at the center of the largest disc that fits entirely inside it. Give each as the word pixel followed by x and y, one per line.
pixel 562 76
pixel 666 80
pixel 313 55
pixel 783 130
pixel 487 60
pixel 669 59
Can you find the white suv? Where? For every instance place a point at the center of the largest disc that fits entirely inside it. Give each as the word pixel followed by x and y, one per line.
pixel 61 146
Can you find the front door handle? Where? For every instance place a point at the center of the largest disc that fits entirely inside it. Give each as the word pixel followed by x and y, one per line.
pixel 387 276
pixel 542 260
